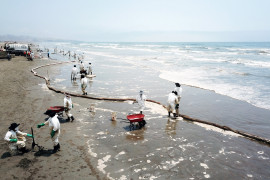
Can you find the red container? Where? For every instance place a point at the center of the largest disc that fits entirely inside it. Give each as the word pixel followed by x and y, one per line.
pixel 56 108
pixel 135 117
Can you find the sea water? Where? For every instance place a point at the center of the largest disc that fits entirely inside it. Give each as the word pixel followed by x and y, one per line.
pixel 237 70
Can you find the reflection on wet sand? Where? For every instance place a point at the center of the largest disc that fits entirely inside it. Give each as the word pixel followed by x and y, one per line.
pixel 92 110
pixel 90 82
pixel 74 83
pixel 170 128
pixel 114 123
pixel 136 135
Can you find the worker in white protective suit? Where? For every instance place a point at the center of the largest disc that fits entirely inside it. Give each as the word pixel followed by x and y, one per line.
pixel 74 73
pixel 171 104
pixel 68 106
pixel 16 139
pixel 83 84
pixel 54 125
pixel 82 70
pixel 179 90
pixel 140 99
pixel 90 69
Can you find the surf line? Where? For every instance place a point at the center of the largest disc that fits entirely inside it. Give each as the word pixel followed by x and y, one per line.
pixel 185 117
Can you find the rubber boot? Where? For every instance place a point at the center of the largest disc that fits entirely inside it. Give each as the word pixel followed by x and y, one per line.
pixel 169 114
pixel 140 112
pixel 174 115
pixel 68 119
pixel 56 148
pixel 72 118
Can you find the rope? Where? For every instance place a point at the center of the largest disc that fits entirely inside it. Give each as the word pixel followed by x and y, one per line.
pixel 187 118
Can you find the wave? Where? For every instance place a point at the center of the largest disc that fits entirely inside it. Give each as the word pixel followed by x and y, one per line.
pixel 261 64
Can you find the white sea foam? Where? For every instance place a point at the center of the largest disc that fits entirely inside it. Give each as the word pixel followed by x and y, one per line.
pixel 204 165
pixel 156 108
pixel 212 128
pixel 119 154
pixel 90 151
pixel 101 163
pixel 123 177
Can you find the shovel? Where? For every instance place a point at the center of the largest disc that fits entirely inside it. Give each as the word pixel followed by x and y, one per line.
pixel 33 143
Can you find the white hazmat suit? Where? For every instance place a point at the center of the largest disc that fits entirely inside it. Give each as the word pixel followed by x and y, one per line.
pixel 74 73
pixel 11 134
pixel 140 99
pixel 179 94
pixel 68 106
pixel 171 103
pixel 90 69
pixel 81 67
pixel 54 125
pixel 84 85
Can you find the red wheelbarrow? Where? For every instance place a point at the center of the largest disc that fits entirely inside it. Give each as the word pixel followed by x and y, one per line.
pixel 56 109
pixel 133 118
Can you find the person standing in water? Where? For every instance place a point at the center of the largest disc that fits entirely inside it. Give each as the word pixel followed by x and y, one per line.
pixel 140 99
pixel 171 103
pixel 74 73
pixel 89 69
pixel 82 71
pixel 83 84
pixel 179 90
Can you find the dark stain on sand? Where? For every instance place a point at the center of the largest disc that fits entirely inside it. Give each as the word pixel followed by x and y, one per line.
pixel 25 163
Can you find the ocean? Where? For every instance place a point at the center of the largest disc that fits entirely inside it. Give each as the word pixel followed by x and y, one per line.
pixel 223 83
pixel 237 70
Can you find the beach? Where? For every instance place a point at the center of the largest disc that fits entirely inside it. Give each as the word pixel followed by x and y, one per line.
pixel 94 147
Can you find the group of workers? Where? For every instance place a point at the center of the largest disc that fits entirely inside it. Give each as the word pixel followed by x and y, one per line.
pixel 172 103
pixel 83 71
pixel 16 139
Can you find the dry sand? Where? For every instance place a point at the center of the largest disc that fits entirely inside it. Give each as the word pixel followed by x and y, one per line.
pixel 22 101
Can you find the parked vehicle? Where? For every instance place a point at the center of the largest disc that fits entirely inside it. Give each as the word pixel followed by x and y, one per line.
pixel 17 49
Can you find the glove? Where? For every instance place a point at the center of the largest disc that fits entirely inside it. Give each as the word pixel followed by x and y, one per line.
pixel 13 140
pixel 30 135
pixel 40 125
pixel 52 133
pixel 72 106
pixel 177 106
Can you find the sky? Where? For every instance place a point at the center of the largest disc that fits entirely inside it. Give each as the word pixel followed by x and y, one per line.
pixel 138 20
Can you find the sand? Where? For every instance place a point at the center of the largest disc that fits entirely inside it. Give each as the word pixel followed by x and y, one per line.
pixel 22 102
